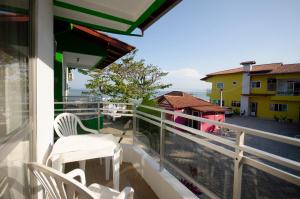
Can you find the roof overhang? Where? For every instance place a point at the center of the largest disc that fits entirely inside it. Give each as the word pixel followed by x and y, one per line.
pixel 86 48
pixel 115 16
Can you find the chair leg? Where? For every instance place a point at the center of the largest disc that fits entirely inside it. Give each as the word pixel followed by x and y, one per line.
pixel 82 165
pixel 116 169
pixel 107 168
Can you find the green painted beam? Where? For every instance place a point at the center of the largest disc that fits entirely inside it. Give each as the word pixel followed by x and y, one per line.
pixel 154 6
pixel 92 12
pixel 97 27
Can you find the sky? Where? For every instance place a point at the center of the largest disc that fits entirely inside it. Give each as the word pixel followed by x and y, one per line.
pixel 198 37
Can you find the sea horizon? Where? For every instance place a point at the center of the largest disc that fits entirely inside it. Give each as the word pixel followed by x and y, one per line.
pixel 202 94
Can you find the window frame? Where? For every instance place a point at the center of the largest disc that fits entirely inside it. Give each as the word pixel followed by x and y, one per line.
pixel 218 83
pixel 278 107
pixel 252 82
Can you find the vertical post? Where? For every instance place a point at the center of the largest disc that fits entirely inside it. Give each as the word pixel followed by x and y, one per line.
pixel 221 104
pixel 238 166
pixel 99 114
pixel 162 141
pixel 134 123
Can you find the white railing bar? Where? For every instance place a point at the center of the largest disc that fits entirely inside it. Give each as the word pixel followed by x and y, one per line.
pixel 271 136
pixel 149 115
pixel 74 102
pixel 202 142
pixel 272 157
pixel 272 170
pixel 121 110
pixel 87 113
pixel 100 102
pixel 87 109
pixel 117 114
pixel 76 109
pixel 148 120
pixel 205 190
pixel 202 133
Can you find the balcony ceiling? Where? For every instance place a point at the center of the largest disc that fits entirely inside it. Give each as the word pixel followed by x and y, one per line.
pixel 116 16
pixel 83 47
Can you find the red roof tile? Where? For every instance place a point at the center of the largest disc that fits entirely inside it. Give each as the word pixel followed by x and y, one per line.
pixel 274 68
pixel 179 99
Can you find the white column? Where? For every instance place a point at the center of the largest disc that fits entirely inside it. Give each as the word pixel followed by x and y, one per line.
pixel 44 77
pixel 245 91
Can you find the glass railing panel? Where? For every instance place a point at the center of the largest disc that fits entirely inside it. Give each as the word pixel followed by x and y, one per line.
pixel 209 168
pixel 148 137
pixel 259 184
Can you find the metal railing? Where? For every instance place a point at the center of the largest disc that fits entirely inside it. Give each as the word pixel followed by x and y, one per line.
pixel 90 110
pixel 235 148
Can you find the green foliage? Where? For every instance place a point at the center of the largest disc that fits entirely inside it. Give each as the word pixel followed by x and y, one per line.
pixel 152 103
pixel 127 79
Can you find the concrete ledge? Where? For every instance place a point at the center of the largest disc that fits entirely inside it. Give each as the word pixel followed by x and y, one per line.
pixel 165 185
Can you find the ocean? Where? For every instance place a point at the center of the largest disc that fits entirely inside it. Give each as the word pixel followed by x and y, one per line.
pixel 200 94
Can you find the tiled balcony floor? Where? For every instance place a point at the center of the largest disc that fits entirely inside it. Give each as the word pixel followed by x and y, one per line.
pixel 95 173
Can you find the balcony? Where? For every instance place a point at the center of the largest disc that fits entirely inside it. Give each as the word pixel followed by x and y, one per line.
pixel 164 159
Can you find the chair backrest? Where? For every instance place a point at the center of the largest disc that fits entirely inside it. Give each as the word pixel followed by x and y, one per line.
pixel 59 185
pixel 65 124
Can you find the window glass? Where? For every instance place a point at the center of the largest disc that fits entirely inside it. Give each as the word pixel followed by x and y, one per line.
pixel 255 84
pixel 14 97
pixel 271 84
pixel 220 85
pixel 278 107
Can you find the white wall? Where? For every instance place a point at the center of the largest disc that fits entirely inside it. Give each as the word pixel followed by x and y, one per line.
pixel 44 41
pixel 245 105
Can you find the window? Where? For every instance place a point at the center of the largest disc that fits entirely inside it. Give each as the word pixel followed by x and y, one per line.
pixel 278 107
pixel 15 126
pixel 218 102
pixel 255 84
pixel 234 82
pixel 271 84
pixel 235 103
pixel 220 85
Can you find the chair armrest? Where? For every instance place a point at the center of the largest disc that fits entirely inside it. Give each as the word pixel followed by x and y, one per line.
pixel 126 193
pixel 78 172
pixel 87 129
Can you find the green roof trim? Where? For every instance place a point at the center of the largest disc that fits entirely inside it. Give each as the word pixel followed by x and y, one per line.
pixel 91 12
pixel 105 29
pixel 58 57
pixel 154 6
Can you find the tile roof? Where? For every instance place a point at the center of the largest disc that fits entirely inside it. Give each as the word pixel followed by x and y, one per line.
pixel 179 99
pixel 273 68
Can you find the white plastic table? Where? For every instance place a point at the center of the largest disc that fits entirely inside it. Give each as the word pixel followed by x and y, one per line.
pixel 88 146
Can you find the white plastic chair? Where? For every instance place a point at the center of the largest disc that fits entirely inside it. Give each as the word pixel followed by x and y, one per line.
pixel 63 186
pixel 65 124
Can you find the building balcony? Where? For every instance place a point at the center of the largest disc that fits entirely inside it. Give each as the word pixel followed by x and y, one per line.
pixel 164 159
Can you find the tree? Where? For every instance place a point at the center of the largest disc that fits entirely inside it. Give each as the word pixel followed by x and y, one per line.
pixel 126 79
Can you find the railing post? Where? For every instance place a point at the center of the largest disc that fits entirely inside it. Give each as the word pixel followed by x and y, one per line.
pixel 99 114
pixel 238 166
pixel 162 141
pixel 134 123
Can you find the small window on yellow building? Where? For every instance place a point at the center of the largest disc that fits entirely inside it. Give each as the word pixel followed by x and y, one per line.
pixel 278 107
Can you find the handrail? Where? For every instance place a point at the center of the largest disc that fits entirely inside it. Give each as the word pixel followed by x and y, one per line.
pixel 255 132
pixel 230 148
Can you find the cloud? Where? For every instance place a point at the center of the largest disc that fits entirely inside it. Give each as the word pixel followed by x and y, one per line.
pixel 187 79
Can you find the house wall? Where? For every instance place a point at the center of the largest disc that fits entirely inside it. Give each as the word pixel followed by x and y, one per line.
pixel 178 119
pixel 231 92
pixel 206 127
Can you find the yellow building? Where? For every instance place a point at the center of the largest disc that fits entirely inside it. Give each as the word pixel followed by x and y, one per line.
pixel 269 91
